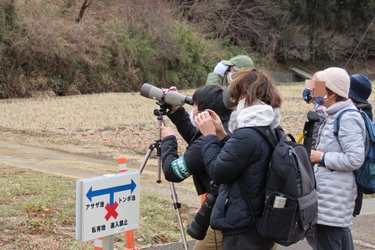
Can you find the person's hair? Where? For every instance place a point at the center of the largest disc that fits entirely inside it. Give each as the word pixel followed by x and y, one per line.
pixel 211 97
pixel 338 98
pixel 256 85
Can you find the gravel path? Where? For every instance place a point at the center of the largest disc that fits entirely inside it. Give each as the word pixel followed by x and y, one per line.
pixel 83 161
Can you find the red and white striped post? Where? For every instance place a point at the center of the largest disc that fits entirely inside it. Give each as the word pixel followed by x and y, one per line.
pixel 122 165
pixel 98 244
pixel 129 235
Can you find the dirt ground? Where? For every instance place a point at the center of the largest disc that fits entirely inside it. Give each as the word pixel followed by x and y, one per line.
pixel 90 152
pixel 80 160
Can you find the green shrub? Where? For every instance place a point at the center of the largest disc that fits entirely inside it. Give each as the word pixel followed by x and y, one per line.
pixel 42 48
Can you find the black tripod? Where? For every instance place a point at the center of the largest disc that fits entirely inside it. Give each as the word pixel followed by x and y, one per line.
pixel 308 129
pixel 157 144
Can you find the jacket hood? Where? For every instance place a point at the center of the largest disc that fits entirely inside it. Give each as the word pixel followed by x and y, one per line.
pixel 256 115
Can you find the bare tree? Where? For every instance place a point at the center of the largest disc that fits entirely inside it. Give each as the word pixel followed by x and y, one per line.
pixel 245 23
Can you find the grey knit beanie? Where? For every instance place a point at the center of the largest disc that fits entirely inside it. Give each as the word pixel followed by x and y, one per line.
pixel 337 80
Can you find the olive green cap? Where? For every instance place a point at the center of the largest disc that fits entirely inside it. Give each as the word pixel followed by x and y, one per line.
pixel 239 61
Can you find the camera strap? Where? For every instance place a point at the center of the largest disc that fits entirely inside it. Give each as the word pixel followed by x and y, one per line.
pixel 216 246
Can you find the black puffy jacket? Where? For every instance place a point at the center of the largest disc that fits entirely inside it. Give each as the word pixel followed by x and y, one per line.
pixel 176 168
pixel 245 155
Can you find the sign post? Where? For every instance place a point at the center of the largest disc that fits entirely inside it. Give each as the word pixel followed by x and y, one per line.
pixel 107 205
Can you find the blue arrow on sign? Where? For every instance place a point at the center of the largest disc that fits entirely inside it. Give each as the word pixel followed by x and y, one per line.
pixel 111 191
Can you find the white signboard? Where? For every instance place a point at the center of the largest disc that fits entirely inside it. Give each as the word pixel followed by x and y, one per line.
pixel 107 205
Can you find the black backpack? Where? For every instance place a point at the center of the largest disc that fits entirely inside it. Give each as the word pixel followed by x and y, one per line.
pixel 291 176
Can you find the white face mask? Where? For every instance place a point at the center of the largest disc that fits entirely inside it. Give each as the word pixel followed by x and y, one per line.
pixel 230 73
pixel 192 118
pixel 229 76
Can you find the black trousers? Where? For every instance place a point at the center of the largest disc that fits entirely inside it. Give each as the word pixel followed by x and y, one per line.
pixel 249 240
pixel 333 238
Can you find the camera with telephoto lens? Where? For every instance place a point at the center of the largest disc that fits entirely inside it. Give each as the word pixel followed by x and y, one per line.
pixel 198 228
pixel 171 97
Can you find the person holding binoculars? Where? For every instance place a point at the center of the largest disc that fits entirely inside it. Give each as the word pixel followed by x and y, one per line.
pixel 244 157
pixel 225 69
pixel 177 168
pixel 224 72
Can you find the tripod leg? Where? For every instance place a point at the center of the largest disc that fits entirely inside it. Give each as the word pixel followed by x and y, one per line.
pixel 147 156
pixel 159 170
pixel 177 206
pixel 145 159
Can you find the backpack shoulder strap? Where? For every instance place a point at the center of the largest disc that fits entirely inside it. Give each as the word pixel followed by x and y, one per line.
pixel 270 135
pixel 274 136
pixel 336 124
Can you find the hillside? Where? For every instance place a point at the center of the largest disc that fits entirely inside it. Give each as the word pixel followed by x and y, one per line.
pixel 116 46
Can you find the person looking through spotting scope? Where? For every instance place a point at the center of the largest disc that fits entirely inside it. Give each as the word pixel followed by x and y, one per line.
pixel 177 168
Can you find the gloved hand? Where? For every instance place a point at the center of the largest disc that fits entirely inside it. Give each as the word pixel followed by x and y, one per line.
pixel 319 100
pixel 306 95
pixel 220 68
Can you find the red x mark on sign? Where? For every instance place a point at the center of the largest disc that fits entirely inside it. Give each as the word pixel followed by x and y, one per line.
pixel 111 210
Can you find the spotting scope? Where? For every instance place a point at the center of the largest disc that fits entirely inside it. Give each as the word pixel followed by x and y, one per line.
pixel 171 97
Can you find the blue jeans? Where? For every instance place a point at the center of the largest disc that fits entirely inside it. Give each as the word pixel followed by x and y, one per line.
pixel 249 240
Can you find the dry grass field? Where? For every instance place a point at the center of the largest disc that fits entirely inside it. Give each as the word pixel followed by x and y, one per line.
pixel 123 120
pixel 106 126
